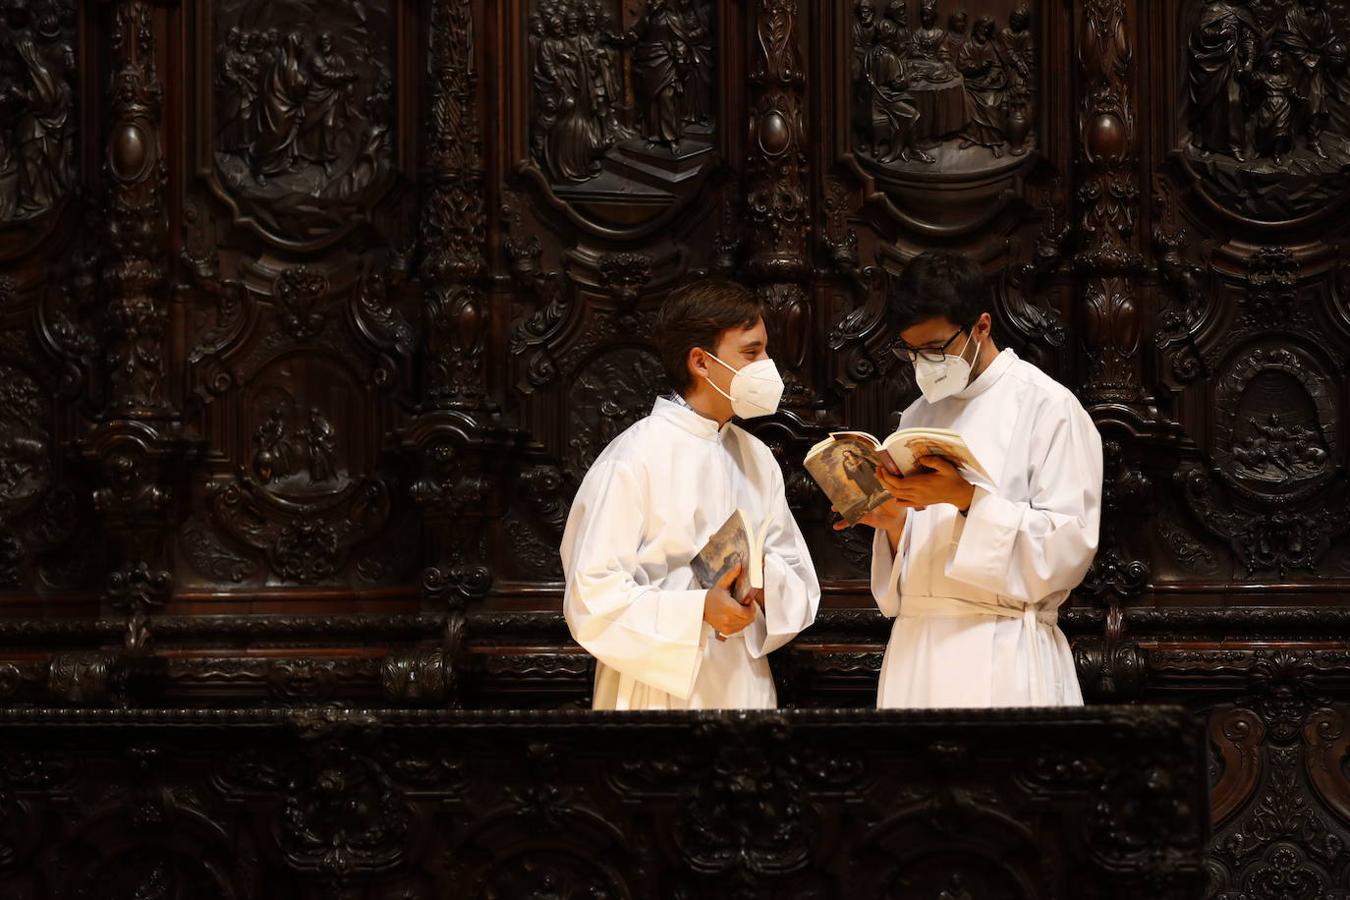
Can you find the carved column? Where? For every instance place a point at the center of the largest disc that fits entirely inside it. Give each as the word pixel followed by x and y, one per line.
pixel 1108 196
pixel 776 208
pixel 453 216
pixel 453 438
pixel 137 438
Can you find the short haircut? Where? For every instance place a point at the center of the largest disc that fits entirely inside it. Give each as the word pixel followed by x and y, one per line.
pixel 696 315
pixel 938 284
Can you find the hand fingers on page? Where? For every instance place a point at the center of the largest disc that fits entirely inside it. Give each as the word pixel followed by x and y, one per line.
pixel 729 579
pixel 937 464
pixel 888 481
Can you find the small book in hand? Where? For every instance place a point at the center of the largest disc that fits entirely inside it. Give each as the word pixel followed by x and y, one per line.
pixel 845 464
pixel 737 542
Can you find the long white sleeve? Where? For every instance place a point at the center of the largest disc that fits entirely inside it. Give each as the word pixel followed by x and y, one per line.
pixel 886 574
pixel 650 635
pixel 1030 550
pixel 791 591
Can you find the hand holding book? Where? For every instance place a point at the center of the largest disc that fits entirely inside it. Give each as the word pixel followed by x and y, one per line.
pixel 939 483
pixel 731 567
pixel 859 473
pixel 721 608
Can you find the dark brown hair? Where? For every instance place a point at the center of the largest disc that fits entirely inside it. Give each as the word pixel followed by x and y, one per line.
pixel 696 315
pixel 937 284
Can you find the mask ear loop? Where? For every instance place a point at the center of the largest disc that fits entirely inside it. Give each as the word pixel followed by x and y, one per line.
pixel 970 338
pixel 713 384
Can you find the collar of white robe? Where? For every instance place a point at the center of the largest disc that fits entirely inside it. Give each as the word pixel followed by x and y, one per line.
pixel 990 376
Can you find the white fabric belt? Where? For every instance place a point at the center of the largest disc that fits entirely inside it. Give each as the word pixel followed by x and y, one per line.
pixel 919 605
pixel 916 606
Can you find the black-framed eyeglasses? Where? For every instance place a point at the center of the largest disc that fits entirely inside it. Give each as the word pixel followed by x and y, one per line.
pixel 932 354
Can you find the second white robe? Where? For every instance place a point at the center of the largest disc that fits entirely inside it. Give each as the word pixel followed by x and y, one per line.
pixel 976 597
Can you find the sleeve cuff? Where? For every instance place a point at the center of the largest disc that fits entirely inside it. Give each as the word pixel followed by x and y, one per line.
pixel 679 616
pixel 986 542
pixel 679 619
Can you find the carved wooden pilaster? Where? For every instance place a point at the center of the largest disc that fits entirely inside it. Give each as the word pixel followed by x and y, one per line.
pixel 136 223
pixel 461 473
pixel 1108 197
pixel 450 438
pixel 137 441
pixel 776 208
pixel 453 216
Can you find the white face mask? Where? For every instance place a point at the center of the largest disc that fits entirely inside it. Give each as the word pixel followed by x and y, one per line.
pixel 755 389
pixel 940 380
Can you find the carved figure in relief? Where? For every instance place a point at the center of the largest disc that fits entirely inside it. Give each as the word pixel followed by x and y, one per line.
pixel 281 111
pixel 863 35
pixel 1018 53
pixel 37 100
pixel 240 77
pixel 549 64
pixel 321 447
pixel 1304 36
pixel 375 145
pixel 574 141
pixel 893 114
pixel 330 91
pixel 300 111
pixel 661 58
pixel 958 28
pixel 986 88
pixel 697 16
pixel 606 80
pixel 272 459
pixel 898 12
pixel 1275 114
pixel 625 103
pixel 1274 450
pixel 968 92
pixel 1279 66
pixel 1223 49
pixel 931 60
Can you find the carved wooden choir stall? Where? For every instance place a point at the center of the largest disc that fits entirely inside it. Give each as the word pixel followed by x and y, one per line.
pixel 313 314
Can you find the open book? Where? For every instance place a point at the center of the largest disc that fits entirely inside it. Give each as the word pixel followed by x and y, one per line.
pixel 738 541
pixel 845 464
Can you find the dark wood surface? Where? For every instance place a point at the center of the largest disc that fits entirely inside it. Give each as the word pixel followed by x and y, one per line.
pixel 313 313
pixel 1107 802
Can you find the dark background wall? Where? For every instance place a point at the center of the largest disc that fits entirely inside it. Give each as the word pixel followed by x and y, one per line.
pixel 313 314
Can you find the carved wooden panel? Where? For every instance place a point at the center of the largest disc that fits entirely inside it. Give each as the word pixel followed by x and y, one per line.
pixel 349 803
pixel 314 314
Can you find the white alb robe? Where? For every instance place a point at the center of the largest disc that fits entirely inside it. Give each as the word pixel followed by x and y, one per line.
pixel 976 597
pixel 644 510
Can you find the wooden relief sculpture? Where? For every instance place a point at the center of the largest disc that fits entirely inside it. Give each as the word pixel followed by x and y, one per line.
pixel 947 93
pixel 37 107
pixel 302 115
pixel 622 103
pixel 1268 105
